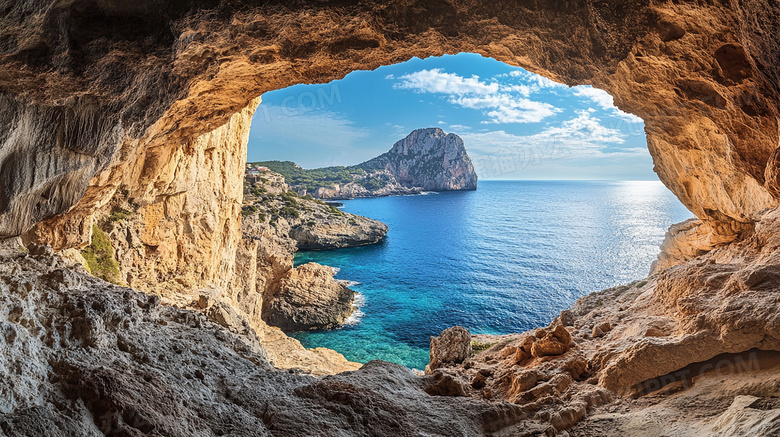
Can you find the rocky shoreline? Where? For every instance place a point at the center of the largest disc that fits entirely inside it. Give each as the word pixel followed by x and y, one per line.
pixel 281 222
pixel 585 374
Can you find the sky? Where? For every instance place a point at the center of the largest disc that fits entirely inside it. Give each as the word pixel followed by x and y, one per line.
pixel 515 124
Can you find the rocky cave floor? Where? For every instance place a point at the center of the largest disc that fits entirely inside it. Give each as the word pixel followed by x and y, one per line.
pixel 85 357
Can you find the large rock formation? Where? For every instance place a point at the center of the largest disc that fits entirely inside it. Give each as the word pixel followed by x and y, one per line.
pixel 429 159
pixel 309 298
pixel 101 107
pixel 89 99
pixel 82 357
pixel 426 160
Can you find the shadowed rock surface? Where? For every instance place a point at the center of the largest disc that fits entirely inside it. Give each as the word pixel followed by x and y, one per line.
pixel 453 346
pixel 84 357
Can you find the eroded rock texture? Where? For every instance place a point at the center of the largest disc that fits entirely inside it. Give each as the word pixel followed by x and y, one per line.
pixel 313 224
pixel 83 357
pixel 120 91
pixel 426 160
pixel 309 298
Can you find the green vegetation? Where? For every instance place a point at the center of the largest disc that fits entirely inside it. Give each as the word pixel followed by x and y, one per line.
pixel 290 198
pixel 289 212
pixel 372 183
pixel 641 284
pixel 118 215
pixel 257 191
pixel 299 177
pixel 477 346
pixel 100 258
pixel 247 210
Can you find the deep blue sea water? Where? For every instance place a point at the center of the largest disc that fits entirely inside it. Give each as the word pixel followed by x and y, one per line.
pixel 505 258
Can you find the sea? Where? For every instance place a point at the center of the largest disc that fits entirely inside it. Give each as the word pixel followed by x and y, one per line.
pixel 505 258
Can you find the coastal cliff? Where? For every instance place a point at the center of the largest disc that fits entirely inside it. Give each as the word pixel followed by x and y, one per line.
pixel 426 160
pixel 277 222
pixel 313 224
pixel 429 159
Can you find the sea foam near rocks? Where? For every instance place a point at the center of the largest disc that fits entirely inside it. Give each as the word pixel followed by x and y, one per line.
pixel 357 315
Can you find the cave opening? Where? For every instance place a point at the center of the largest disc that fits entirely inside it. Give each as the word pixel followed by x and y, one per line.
pixel 566 204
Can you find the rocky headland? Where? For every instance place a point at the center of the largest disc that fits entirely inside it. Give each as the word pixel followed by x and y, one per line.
pixel 313 224
pixel 137 115
pixel 280 222
pixel 426 160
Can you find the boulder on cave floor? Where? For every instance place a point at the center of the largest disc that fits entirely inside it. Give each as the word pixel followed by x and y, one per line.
pixel 453 346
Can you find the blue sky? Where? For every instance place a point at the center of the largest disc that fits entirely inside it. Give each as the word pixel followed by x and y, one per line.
pixel 515 124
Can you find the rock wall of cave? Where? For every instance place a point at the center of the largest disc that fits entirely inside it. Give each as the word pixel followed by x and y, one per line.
pixel 98 95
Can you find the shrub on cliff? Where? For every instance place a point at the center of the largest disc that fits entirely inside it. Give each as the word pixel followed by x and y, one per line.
pixel 100 257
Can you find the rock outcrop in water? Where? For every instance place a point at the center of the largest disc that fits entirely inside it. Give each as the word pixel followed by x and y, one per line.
pixel 82 357
pixel 148 104
pixel 429 159
pixel 426 160
pixel 309 298
pixel 276 222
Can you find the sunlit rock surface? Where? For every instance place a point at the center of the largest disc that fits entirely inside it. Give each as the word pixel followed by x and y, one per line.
pixel 426 160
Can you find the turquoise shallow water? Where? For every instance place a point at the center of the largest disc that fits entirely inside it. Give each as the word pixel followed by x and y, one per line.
pixel 505 258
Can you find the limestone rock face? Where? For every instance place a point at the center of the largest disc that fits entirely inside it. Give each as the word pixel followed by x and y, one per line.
pixel 429 159
pixel 105 107
pixel 309 298
pixel 336 234
pixel 453 346
pixel 92 102
pixel 182 226
pixel 426 160
pixel 551 342
pixel 107 102
pixel 313 224
pixel 689 239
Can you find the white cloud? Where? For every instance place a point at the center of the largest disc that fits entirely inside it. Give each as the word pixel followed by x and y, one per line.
pixel 580 134
pixel 557 151
pixel 598 96
pixel 442 122
pixel 535 82
pixel 437 81
pixel 502 103
pixel 586 129
pixel 522 111
pixel 629 117
pixel 605 101
pixel 459 127
pixel 523 90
